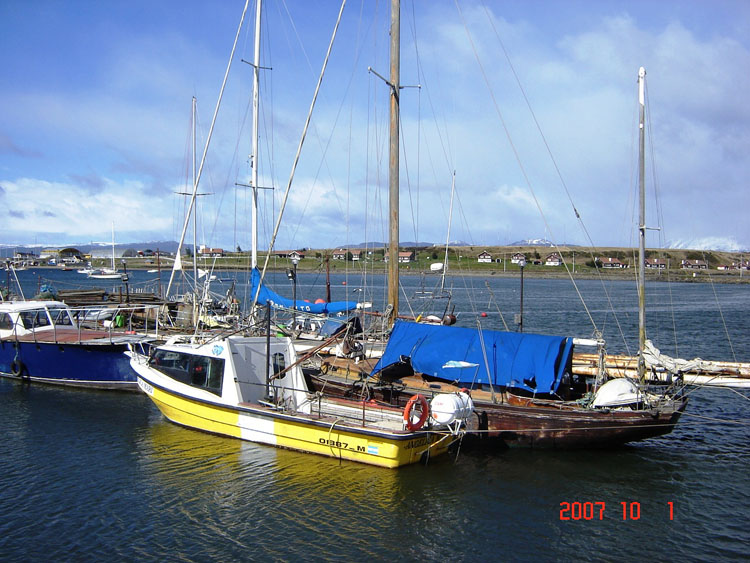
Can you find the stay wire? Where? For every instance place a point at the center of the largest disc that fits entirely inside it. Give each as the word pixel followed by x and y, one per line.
pixel 718 306
pixel 660 213
pixel 517 155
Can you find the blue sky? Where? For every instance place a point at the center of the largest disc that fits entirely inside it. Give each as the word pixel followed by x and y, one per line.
pixel 95 121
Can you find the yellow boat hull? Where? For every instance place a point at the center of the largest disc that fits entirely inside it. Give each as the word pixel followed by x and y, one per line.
pixel 299 432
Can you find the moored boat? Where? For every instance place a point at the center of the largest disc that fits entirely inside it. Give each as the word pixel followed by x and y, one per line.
pixel 252 388
pixel 521 385
pixel 110 273
pixel 49 342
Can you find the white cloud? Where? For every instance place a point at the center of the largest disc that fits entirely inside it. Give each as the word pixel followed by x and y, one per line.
pixel 40 208
pixel 727 244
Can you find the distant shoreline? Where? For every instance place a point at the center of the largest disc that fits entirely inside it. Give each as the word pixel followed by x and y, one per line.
pixel 538 272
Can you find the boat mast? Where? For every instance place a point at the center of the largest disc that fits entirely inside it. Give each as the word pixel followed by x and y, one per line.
pixel 178 261
pixel 195 210
pixel 448 236
pixel 113 247
pixel 254 155
pixel 641 222
pixel 393 180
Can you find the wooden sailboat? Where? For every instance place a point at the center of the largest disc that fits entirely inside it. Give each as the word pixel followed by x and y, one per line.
pixel 511 406
pixel 253 388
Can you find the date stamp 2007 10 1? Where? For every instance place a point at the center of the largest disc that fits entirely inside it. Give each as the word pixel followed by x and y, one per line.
pixel 596 510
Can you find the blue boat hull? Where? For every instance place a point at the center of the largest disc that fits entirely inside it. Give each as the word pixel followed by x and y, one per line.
pixel 94 366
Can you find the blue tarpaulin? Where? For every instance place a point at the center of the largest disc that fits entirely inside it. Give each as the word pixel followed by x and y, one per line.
pixel 532 362
pixel 276 301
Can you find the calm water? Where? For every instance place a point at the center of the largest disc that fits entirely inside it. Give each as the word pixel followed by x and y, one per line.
pixel 102 476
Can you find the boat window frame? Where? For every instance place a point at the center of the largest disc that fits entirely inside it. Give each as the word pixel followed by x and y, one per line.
pixel 60 313
pixel 278 364
pixel 28 319
pixel 195 370
pixel 10 324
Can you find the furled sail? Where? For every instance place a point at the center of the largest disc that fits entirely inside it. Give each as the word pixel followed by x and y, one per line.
pixel 268 296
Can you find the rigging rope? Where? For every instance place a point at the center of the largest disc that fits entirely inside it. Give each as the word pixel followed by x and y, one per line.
pixel 297 156
pixel 208 139
pixel 721 312
pixel 517 155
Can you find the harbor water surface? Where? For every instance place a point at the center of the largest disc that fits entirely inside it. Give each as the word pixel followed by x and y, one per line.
pixel 103 476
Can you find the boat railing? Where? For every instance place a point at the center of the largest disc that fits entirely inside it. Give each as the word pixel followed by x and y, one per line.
pixel 322 406
pixel 109 321
pixel 122 319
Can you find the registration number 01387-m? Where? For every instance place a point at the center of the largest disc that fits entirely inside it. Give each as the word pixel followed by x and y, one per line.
pixel 145 387
pixel 342 445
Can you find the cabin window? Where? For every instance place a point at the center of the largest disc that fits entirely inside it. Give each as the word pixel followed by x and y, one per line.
pixel 6 323
pixel 198 371
pixel 60 317
pixel 34 319
pixel 279 363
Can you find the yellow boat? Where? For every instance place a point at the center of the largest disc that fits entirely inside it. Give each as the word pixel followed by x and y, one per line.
pixel 252 388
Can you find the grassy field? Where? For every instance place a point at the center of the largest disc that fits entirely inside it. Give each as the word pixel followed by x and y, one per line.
pixel 579 261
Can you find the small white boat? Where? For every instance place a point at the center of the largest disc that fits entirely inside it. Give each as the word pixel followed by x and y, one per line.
pixel 107 273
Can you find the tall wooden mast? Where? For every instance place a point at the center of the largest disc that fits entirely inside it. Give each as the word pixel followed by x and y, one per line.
pixel 393 180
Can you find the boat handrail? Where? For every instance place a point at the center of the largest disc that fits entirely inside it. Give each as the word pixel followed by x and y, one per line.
pixel 78 314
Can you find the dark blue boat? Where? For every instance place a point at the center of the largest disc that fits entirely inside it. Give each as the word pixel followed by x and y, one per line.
pixel 49 342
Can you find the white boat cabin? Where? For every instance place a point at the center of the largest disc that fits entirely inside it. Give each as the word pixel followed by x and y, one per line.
pixel 235 370
pixel 18 318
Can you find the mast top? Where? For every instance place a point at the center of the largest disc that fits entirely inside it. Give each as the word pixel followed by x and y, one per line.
pixel 641 93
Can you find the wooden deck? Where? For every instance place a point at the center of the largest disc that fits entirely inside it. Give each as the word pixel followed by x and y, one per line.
pixel 75 336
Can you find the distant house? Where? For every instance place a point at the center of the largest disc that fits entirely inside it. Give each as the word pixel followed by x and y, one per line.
pixel 356 255
pixel 404 257
pixel 212 252
pixel 517 257
pixel 485 257
pixel 656 263
pixel 71 255
pixel 694 265
pixel 25 256
pixel 48 253
pixel 339 254
pixel 609 262
pixel 553 259
pixel 290 254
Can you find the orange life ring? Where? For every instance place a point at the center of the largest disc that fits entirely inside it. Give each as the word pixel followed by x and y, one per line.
pixel 413 426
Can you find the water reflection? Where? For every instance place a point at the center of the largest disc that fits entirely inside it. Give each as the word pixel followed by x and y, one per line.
pixel 204 463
